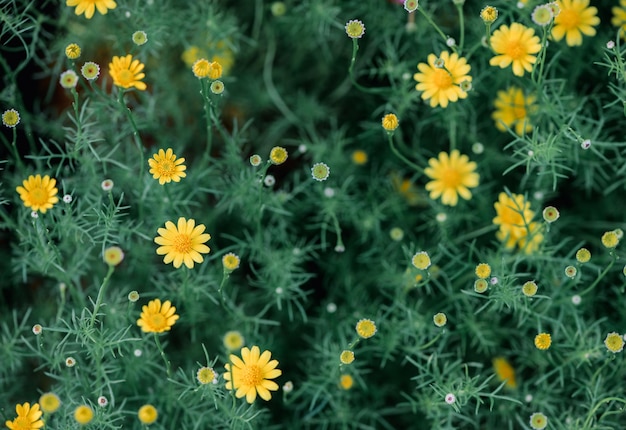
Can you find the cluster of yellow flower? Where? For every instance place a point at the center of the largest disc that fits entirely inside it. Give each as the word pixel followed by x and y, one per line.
pixel 514 216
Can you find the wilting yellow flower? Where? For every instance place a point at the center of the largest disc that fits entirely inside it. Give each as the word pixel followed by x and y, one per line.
pixel 515 45
pixel 440 79
pixel 575 19
pixel 452 175
pixel 514 217
pixel 38 193
pixel 165 167
pixel 251 374
pixel 504 371
pixel 88 7
pixel 147 414
pixel 182 243
pixel 28 417
pixel 157 317
pixel 127 73
pixel 513 110
pixel 215 70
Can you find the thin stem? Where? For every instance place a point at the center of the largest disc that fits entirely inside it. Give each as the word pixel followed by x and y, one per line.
pixel 435 26
pixel 168 365
pixel 602 275
pixel 459 8
pixel 96 307
pixel 207 112
pixel 136 136
pixel 593 411
pixel 402 157
pixel 355 48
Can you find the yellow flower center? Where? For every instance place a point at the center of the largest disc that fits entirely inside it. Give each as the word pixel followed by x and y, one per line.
pixel 519 112
pixel 569 19
pixel 182 243
pixel 166 168
pixel 22 423
pixel 158 321
pixel 38 196
pixel 451 177
pixel 125 77
pixel 251 375
pixel 442 79
pixel 515 50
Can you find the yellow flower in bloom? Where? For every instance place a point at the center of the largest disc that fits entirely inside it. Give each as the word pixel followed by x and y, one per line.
pixel 219 52
pixel 346 382
pixel 483 270
pixel 514 217
pixel 49 403
pixel 513 110
pixel 88 7
pixel 610 239
pixel 147 414
pixel 529 288
pixel 90 70
pixel 346 357
pixel 10 118
pixel 614 342
pixel 515 45
pixel 440 319
pixel 481 285
pixel 113 255
pixel 127 73
pixel 359 157
pixel 421 260
pixel 182 243
pixel 157 317
pixel 72 51
pixel 28 418
pixel 543 341
pixel 366 328
pixel 538 421
pixel 165 167
pixel 38 193
pixel 452 175
pixel 441 78
pixel 575 19
pixel 619 16
pixel 504 371
pixel 230 262
pixel 583 255
pixel 83 414
pixel 355 29
pixel 206 375
pixel 233 340
pixel 278 155
pixel 250 375
pixel 390 122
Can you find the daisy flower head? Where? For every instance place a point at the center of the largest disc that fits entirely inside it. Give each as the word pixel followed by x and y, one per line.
pixel 366 328
pixel 346 356
pixel 583 255
pixel 217 87
pixel 411 5
pixel 346 381
pixel 88 7
pixel 614 342
pixel 483 270
pixel 157 317
pixel 113 255
pixel 10 118
pixel 550 214
pixel 576 19
pixel 538 421
pixel 90 70
pixel 513 110
pixel 543 341
pixel 504 371
pixel 49 403
pixel 570 272
pixel 452 175
pixel 206 375
pixel 513 216
pixel 610 239
pixel 542 15
pixel 481 285
pixel 390 122
pixel 147 414
pixel 215 70
pixel 255 160
pixel 450 398
pixel 68 79
pixel 619 17
pixel 233 340
pixel 102 401
pixel 127 73
pixel 359 157
pixel 252 374
pixel 139 37
pixel 421 260
pixel 231 262
pixel 183 242
pixel 440 319
pixel 28 417
pixel 355 29
pixel 489 14
pixel 515 45
pixel 83 414
pixel 38 193
pixel 441 85
pixel 72 51
pixel 37 329
pixel 529 288
pixel 165 167
pixel 278 155
pixel 320 171
pixel 201 68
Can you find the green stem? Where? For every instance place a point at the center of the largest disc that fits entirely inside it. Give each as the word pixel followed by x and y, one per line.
pixel 592 412
pixel 136 137
pixel 459 9
pixel 168 365
pixel 435 26
pixel 96 307
pixel 207 112
pixel 355 48
pixel 402 157
pixel 602 275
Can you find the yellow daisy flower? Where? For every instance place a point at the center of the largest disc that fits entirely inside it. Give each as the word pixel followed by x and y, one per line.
pixel 206 375
pixel 513 109
pixel 538 421
pixel 575 19
pixel 514 216
pixel 619 16
pixel 147 414
pixel 504 371
pixel 230 261
pixel 10 118
pixel 182 243
pixel 250 375
pixel 483 270
pixel 515 45
pixel 83 414
pixel 165 167
pixel 440 79
pixel 366 328
pixel 346 382
pixel 28 417
pixel 72 51
pixel 88 7
pixel 157 317
pixel 452 175
pixel 127 73
pixel 614 342
pixel 38 193
pixel 233 340
pixel 201 68
pixel 49 402
pixel 543 341
pixel 278 155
